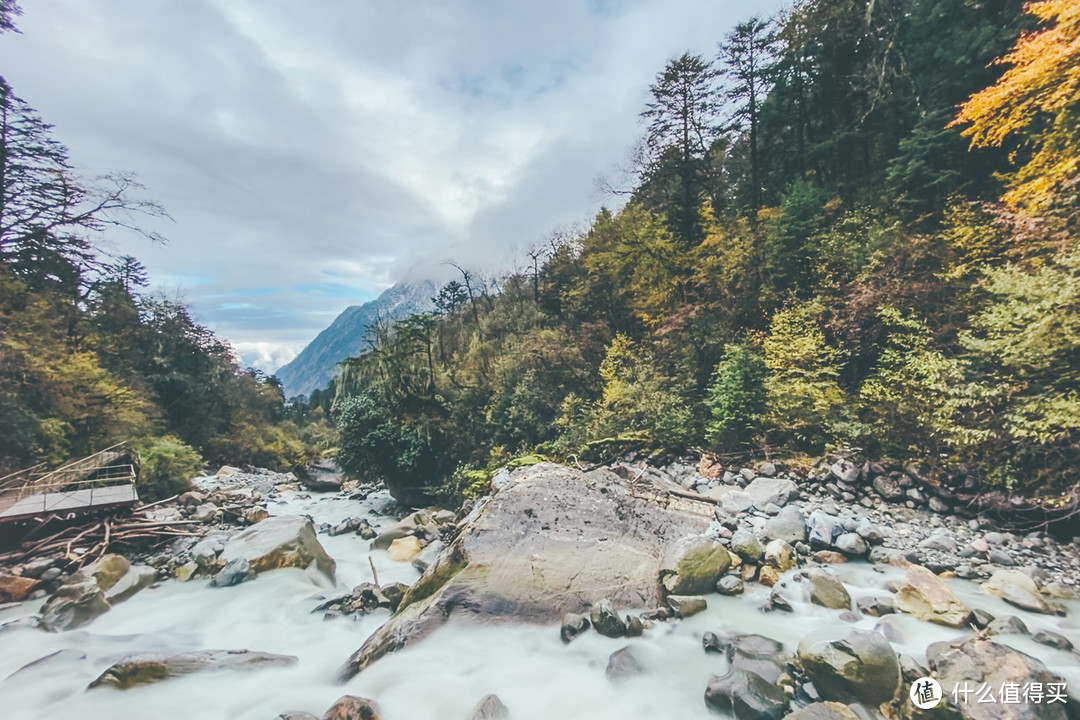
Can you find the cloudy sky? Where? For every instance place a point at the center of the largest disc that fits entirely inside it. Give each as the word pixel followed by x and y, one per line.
pixel 313 153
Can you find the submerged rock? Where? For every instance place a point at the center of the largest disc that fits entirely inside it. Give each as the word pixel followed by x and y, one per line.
pixel 623 664
pixel 552 540
pixel 490 708
pixel 279 542
pixel 351 707
pixel 151 668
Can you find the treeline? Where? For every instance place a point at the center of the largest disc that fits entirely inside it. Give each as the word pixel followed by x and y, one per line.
pixel 87 357
pixel 856 225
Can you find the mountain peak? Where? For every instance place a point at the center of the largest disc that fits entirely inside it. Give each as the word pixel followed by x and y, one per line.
pixel 317 363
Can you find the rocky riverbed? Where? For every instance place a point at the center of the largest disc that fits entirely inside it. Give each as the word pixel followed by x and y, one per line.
pixel 688 591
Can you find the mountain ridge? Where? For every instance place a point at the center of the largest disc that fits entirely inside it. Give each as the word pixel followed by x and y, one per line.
pixel 315 365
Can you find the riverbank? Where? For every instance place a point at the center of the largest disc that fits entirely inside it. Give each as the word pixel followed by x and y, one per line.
pixel 299 612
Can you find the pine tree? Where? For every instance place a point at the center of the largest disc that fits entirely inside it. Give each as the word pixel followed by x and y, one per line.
pixel 682 126
pixel 748 54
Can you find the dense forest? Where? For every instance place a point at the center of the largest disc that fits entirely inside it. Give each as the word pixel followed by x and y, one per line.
pixel 88 357
pixel 855 226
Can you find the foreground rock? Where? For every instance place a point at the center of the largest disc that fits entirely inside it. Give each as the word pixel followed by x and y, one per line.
pixel 279 542
pixel 551 541
pixel 145 669
pixel 925 596
pixel 976 661
pixel 858 665
pixel 746 695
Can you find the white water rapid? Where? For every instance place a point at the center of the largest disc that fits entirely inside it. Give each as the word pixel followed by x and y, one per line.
pixel 439 678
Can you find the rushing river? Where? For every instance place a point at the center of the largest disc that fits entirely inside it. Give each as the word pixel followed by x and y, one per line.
pixel 440 678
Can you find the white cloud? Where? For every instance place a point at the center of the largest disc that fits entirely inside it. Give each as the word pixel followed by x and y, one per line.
pixel 342 143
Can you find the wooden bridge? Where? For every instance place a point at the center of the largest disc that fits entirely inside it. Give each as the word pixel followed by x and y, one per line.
pixel 102 481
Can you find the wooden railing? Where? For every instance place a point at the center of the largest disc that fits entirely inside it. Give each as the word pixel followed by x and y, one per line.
pixel 104 474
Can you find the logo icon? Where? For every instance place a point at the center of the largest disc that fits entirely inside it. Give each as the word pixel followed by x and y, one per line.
pixel 925 693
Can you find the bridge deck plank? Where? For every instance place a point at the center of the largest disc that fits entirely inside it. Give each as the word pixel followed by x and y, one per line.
pixel 76 500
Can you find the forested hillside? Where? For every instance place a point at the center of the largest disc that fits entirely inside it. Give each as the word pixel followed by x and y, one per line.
pixel 855 225
pixel 88 358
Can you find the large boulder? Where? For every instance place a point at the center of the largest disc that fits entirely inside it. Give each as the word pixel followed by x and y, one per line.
pixel 692 565
pixel 924 595
pixel 623 664
pixel 144 669
pixel 279 542
pixel 550 541
pixel 856 665
pixel 973 661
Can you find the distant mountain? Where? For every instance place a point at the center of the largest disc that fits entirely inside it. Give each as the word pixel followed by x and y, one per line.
pixel 317 363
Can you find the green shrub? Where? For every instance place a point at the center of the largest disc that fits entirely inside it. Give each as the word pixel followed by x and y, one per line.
pixel 166 466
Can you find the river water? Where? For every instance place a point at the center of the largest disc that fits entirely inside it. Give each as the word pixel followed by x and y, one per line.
pixel 440 678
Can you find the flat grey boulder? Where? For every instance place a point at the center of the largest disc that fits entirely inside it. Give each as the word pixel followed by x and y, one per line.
pixel 145 669
pixel 551 541
pixel 278 542
pixel 764 491
pixel 788 525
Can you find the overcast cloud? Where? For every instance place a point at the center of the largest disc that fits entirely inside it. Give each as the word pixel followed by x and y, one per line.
pixel 313 153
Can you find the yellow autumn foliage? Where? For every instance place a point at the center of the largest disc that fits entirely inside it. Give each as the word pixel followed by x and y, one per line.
pixel 1037 98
